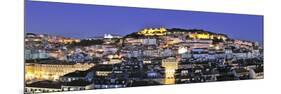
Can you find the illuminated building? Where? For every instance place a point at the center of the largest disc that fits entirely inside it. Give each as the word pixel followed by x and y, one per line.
pixel 52 71
pixel 67 41
pixel 172 41
pixel 170 64
pixel 197 43
pixel 206 36
pixel 110 36
pixel 113 59
pixel 153 31
pixel 133 41
pixel 201 36
pixel 242 43
pixel 182 50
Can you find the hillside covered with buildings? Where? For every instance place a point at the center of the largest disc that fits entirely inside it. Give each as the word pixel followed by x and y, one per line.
pixel 149 56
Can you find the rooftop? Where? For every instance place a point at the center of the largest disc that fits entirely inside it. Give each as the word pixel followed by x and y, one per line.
pixel 45 84
pixel 77 74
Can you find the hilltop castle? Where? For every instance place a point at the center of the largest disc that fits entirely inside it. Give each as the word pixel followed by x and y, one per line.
pixel 153 31
pixel 191 34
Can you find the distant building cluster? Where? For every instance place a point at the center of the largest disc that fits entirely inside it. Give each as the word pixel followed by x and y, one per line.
pixel 151 56
pixel 43 46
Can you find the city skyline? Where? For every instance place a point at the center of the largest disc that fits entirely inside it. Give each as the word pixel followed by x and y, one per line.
pixel 64 49
pixel 66 20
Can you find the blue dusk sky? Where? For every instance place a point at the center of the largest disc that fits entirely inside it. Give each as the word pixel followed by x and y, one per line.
pixel 83 21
